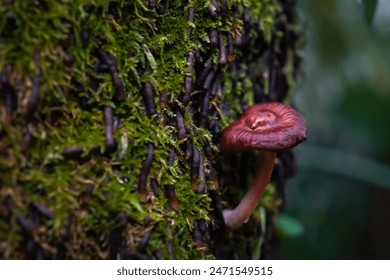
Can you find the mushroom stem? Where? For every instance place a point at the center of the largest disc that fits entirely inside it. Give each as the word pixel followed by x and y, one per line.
pixel 240 215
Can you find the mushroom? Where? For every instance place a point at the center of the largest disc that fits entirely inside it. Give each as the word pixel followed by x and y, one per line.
pixel 267 128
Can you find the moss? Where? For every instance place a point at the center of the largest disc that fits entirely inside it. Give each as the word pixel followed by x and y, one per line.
pixel 88 193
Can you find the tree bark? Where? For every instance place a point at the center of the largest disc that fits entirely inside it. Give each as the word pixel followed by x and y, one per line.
pixel 110 118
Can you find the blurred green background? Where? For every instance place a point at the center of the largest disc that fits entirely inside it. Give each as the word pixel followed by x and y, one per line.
pixel 339 203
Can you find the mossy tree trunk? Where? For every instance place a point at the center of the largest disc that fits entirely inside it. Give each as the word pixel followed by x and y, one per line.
pixel 111 113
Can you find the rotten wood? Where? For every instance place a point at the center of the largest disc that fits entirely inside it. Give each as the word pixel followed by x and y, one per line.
pixel 181 130
pixel 191 17
pixel 150 106
pixel 188 85
pixel 120 93
pixel 230 49
pixel 195 169
pixel 146 166
pixel 169 189
pixel 201 186
pixel 109 127
pixel 213 37
pixel 164 99
pixel 222 50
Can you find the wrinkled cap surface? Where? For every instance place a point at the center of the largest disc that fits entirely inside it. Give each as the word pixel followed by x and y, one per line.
pixel 266 126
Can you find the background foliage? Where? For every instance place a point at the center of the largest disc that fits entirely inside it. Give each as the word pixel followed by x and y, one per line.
pixel 340 198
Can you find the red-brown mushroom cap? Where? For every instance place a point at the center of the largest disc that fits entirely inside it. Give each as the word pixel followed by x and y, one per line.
pixel 267 126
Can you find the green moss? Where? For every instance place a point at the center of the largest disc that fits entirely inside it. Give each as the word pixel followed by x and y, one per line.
pixel 66 36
